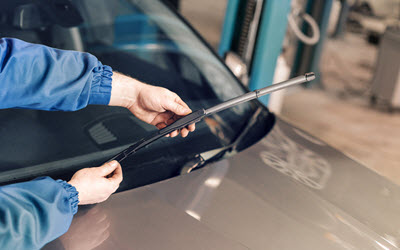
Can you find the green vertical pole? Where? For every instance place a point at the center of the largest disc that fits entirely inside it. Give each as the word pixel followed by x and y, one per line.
pixel 269 42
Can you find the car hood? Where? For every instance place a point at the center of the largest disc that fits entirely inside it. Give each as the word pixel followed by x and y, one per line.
pixel 288 191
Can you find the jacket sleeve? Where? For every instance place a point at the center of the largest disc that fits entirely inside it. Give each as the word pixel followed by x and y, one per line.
pixel 31 215
pixel 39 77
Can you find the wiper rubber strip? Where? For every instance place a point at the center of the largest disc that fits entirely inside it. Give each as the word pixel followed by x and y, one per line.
pixel 198 115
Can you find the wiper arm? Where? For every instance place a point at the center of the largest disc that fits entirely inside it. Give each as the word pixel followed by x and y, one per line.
pixel 201 113
pixel 200 159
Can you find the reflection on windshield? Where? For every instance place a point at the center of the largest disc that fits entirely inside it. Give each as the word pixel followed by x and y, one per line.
pixel 150 32
pixel 140 38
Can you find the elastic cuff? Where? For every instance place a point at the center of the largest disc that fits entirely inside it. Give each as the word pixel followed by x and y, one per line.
pixel 73 195
pixel 100 90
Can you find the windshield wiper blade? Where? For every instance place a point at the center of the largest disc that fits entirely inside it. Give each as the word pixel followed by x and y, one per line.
pixel 201 113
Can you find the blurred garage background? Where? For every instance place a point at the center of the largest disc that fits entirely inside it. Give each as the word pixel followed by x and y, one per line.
pixel 353 46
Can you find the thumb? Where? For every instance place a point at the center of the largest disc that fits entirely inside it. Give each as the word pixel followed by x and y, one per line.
pixel 177 106
pixel 108 168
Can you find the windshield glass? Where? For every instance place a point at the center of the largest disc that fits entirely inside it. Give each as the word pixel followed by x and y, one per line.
pixel 143 39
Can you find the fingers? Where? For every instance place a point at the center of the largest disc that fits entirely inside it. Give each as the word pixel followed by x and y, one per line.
pixel 162 118
pixel 161 125
pixel 176 105
pixel 183 107
pixel 184 132
pixel 181 102
pixel 97 184
pixel 192 127
pixel 175 109
pixel 175 133
pixel 117 175
pixel 108 168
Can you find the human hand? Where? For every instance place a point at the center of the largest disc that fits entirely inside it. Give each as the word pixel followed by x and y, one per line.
pixel 95 184
pixel 155 105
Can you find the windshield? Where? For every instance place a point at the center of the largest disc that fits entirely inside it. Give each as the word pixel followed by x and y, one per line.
pixel 143 39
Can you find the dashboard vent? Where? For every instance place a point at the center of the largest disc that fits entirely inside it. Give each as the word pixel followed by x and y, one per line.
pixel 101 135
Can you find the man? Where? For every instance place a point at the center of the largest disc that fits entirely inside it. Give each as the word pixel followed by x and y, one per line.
pixel 38 77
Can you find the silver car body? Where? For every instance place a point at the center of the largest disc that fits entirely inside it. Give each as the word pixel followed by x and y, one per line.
pixel 289 191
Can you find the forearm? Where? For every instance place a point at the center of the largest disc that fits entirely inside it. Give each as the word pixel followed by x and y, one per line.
pixel 36 212
pixel 39 77
pixel 125 90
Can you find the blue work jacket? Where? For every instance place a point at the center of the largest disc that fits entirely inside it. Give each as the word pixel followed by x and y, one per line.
pixel 38 77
